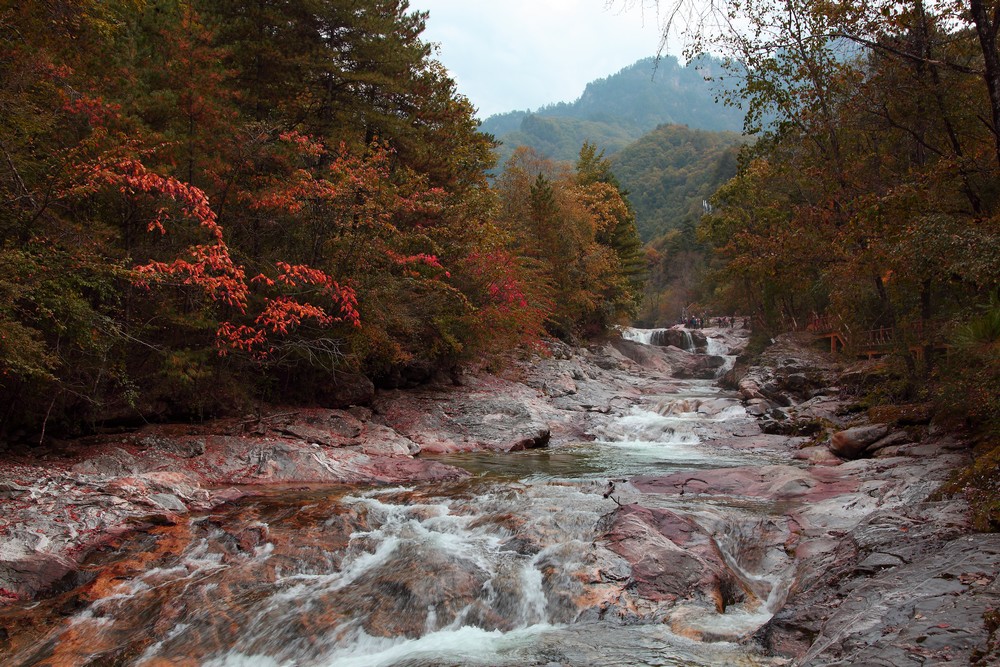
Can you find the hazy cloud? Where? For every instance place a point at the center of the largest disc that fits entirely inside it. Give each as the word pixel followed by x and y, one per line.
pixel 523 54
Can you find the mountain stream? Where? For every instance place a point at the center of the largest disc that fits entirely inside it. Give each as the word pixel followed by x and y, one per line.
pixel 506 567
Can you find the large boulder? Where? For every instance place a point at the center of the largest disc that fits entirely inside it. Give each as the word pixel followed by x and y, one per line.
pixel 684 339
pixel 906 586
pixel 671 360
pixel 653 542
pixel 646 356
pixel 696 366
pixel 854 442
pixel 496 414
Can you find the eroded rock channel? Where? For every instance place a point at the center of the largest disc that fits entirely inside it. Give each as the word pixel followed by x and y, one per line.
pixel 609 506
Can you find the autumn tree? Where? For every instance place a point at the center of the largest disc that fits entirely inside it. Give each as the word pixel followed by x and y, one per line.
pixel 211 201
pixel 576 230
pixel 874 104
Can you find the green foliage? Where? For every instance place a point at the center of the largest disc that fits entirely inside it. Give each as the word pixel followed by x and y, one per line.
pixel 873 197
pixel 979 483
pixel 671 171
pixel 872 200
pixel 561 137
pixel 617 110
pixel 206 198
pixel 667 173
pixel 969 378
pixel 577 230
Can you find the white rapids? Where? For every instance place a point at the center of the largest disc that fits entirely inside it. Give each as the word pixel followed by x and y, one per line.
pixel 500 569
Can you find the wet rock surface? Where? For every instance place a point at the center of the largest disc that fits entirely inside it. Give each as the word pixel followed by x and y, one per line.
pixel 675 361
pixel 884 576
pixel 832 529
pixel 55 510
pixel 875 572
pixel 487 413
pixel 900 590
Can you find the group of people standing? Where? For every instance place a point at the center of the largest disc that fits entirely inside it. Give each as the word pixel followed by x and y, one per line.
pixel 725 322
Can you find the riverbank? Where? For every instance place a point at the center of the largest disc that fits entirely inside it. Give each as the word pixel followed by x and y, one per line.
pixel 830 529
pixel 877 569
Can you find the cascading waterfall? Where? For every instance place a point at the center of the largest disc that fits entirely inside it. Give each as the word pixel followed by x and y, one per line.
pixel 677 336
pixel 495 570
pixel 718 349
pixel 644 336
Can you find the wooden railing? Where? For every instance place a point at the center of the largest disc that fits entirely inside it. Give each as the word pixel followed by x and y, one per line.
pixel 819 324
pixel 873 342
pixel 822 327
pixel 883 337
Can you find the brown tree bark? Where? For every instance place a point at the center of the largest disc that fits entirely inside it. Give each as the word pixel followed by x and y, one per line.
pixel 986 28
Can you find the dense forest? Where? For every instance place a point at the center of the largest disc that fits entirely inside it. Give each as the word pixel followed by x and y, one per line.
pixel 210 203
pixel 671 143
pixel 872 198
pixel 669 175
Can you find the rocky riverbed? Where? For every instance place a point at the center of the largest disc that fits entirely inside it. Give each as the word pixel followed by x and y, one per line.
pixel 832 546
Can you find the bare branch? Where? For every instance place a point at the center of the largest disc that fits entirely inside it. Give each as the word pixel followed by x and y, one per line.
pixel 887 48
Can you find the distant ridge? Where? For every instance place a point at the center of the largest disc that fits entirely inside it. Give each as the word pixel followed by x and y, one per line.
pixel 615 111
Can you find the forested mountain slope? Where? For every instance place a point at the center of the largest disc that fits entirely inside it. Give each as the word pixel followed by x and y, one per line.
pixel 670 172
pixel 614 111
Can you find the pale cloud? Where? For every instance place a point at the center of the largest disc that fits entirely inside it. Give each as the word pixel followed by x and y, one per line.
pixel 523 54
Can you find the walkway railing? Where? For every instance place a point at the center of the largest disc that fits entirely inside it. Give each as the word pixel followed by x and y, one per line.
pixel 873 342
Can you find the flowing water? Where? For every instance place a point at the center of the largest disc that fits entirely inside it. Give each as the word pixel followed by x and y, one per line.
pixel 496 569
pixel 644 336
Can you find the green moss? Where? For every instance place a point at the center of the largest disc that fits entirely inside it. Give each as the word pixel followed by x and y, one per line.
pixel 759 341
pixel 979 483
pixel 988 655
pixel 902 414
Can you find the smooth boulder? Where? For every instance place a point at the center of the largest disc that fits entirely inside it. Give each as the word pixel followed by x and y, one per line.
pixel 854 442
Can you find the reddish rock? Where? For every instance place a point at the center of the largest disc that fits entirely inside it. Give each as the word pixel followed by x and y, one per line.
pixel 497 415
pixel 677 362
pixel 670 558
pixel 378 440
pixel 816 456
pixel 854 442
pixel 771 482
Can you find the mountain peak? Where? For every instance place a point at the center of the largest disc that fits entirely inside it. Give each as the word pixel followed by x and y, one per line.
pixel 614 111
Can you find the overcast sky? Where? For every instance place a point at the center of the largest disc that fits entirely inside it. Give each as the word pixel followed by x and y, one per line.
pixel 523 54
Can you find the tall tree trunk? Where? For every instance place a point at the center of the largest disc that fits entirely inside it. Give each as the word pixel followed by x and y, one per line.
pixel 986 29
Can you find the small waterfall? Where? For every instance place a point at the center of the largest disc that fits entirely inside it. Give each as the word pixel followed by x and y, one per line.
pixel 716 347
pixel 680 338
pixel 677 406
pixel 719 349
pixel 643 336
